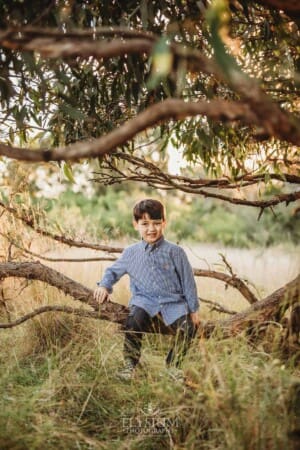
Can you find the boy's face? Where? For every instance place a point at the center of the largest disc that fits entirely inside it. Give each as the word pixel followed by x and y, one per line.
pixel 151 230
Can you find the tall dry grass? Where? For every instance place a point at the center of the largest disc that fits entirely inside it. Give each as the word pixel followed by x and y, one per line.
pixel 59 389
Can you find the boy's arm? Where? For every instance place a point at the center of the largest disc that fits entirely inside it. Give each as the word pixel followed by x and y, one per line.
pixel 111 275
pixel 188 284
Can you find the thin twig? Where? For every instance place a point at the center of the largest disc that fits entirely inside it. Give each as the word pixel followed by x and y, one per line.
pixel 227 265
pixel 217 307
pixel 46 258
pixel 48 308
pixel 29 221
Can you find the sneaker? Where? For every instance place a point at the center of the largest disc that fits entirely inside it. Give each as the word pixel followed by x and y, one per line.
pixel 176 374
pixel 126 373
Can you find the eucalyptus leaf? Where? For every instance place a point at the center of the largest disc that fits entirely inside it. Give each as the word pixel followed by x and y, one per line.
pixel 72 112
pixel 68 172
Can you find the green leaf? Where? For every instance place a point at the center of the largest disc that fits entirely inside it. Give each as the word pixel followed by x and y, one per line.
pixel 72 112
pixel 22 137
pixel 11 135
pixel 218 16
pixel 36 118
pixel 62 77
pixel 267 178
pixel 29 60
pixel 20 116
pixel 68 172
pixel 162 62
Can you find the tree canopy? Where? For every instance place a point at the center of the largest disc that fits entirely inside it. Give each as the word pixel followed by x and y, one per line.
pixel 112 81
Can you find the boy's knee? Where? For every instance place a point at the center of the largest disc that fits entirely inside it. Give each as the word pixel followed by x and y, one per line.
pixel 132 324
pixel 137 319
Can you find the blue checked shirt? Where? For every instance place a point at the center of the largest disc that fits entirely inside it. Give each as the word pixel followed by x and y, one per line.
pixel 161 279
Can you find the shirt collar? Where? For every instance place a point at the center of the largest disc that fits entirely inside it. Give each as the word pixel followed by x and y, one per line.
pixel 151 247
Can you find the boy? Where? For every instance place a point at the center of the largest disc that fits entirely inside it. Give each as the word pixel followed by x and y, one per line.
pixel 162 286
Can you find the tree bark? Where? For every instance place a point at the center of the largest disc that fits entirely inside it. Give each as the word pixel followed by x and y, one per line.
pixel 269 309
pixel 288 6
pixel 231 280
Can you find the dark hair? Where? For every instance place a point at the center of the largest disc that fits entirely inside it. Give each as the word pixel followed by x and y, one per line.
pixel 154 208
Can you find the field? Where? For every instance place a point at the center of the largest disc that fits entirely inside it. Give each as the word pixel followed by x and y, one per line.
pixel 58 371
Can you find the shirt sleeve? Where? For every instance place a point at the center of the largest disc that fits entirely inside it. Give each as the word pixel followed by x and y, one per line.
pixel 187 280
pixel 113 273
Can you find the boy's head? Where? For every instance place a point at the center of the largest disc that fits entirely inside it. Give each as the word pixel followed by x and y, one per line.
pixel 149 219
pixel 153 208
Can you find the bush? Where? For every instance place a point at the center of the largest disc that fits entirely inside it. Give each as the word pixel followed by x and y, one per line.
pixel 109 216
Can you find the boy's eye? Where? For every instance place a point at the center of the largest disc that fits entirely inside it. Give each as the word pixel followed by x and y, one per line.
pixel 146 224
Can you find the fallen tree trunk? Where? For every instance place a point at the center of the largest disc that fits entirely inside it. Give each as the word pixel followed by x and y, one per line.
pixel 269 309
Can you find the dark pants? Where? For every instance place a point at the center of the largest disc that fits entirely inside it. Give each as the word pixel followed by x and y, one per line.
pixel 139 321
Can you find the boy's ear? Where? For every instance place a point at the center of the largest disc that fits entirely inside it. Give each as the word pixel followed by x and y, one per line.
pixel 135 224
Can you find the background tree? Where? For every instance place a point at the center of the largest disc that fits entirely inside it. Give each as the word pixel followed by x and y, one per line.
pixel 218 80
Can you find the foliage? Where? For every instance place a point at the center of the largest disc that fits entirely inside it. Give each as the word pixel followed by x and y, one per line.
pixel 66 99
pixel 106 216
pixel 109 216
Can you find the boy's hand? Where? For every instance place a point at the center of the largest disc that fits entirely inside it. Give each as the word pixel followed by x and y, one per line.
pixel 195 318
pixel 101 294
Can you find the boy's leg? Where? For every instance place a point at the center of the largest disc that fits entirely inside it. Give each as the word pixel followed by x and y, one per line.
pixel 185 332
pixel 137 322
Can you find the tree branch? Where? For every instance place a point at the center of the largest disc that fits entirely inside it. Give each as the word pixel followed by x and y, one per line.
pixel 53 308
pixel 30 32
pixel 153 170
pixel 155 177
pixel 29 221
pixel 267 309
pixel 231 280
pixel 268 114
pixel 218 110
pixel 160 112
pixel 47 258
pixel 38 271
pixel 271 308
pixel 288 6
pixel 215 306
pixel 50 47
pixel 85 313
